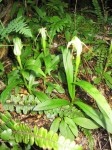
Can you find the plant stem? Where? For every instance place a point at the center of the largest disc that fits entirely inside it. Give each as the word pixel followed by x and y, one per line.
pixel 77 67
pixel 21 67
pixel 75 75
pixel 19 61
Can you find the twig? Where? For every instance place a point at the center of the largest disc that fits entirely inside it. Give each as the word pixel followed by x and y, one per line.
pixel 110 140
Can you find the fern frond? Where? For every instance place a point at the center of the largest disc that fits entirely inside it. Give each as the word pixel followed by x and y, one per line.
pixel 101 59
pixel 56 7
pixel 21 104
pixel 57 25
pixel 98 11
pixel 17 25
pixel 89 137
pixel 26 103
pixel 41 137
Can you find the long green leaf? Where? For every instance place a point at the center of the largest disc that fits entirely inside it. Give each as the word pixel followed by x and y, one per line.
pixel 108 79
pixel 86 123
pixel 7 91
pixel 55 125
pixel 51 62
pixel 65 130
pixel 41 96
pixel 67 60
pixel 96 116
pixel 34 65
pixel 100 99
pixel 36 70
pixel 72 125
pixel 51 104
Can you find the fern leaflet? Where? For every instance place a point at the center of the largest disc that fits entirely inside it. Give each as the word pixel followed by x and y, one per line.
pixel 17 25
pixel 10 130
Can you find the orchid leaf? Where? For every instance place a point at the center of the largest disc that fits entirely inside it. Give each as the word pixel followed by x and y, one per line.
pixel 96 116
pixel 50 104
pixel 67 60
pixel 100 99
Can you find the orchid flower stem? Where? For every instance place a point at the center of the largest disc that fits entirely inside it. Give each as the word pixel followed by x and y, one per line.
pixel 21 68
pixel 19 61
pixel 75 76
pixel 44 46
pixel 77 45
pixel 77 67
pixel 43 32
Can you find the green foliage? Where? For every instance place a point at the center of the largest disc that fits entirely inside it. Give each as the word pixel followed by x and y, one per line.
pixel 86 28
pixel 18 132
pixel 101 59
pixel 100 99
pixel 105 110
pixel 17 25
pixel 102 12
pixel 108 78
pixel 28 103
pixel 104 56
pixel 20 104
pixel 54 17
pixel 51 63
pixel 56 7
pixel 7 91
pixel 90 138
pixel 67 60
pixel 68 120
pixel 57 25
pixel 36 63
pixel 30 69
pixel 1 68
pixel 98 11
pixel 69 115
pixel 50 104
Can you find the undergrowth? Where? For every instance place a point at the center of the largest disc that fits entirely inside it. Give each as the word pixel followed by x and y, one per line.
pixel 53 49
